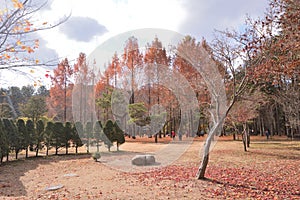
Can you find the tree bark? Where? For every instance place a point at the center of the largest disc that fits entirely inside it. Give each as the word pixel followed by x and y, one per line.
pixel 205 157
pixel 248 139
pixel 207 144
pixel 245 137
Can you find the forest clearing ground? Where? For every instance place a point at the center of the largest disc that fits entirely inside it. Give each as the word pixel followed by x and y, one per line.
pixel 269 170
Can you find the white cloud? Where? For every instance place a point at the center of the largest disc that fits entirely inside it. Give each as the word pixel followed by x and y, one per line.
pixel 195 17
pixel 116 16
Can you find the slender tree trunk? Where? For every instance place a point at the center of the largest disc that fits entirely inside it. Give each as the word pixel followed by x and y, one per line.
pixel 244 141
pixel 205 157
pixel 76 149
pixel 248 140
pixel 155 138
pixel 17 151
pixel 207 144
pixel 7 157
pixel 47 151
pixel 245 137
pixel 67 148
pixel 37 152
pixel 26 154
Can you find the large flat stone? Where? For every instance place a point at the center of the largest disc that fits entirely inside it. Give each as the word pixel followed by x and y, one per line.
pixel 142 160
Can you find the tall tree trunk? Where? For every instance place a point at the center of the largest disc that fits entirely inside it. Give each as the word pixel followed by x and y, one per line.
pixel 76 149
pixel 205 157
pixel 207 144
pixel 244 141
pixel 245 137
pixel 37 152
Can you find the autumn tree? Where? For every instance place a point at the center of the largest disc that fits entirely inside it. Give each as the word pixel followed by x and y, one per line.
pixel 277 52
pixel 84 107
pixel 115 69
pixel 155 58
pixel 59 101
pixel 17 25
pixel 131 63
pixel 206 60
pixel 246 109
pixel 194 78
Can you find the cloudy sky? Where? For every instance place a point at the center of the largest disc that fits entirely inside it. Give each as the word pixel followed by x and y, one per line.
pixel 94 21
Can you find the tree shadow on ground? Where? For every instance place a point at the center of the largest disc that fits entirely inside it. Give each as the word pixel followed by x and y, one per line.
pixel 12 171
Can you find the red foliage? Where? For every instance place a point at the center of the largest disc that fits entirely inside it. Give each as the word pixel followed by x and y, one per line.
pixel 275 180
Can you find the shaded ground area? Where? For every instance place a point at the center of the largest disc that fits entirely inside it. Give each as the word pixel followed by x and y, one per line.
pixel 270 170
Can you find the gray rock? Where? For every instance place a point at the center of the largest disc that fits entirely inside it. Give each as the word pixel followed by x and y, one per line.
pixel 142 160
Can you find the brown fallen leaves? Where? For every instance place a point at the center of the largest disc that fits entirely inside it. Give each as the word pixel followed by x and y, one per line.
pixel 270 170
pixel 262 174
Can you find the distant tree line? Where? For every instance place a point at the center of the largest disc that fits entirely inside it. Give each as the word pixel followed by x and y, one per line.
pixel 21 135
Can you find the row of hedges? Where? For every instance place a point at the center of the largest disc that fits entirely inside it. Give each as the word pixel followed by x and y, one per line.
pixel 16 136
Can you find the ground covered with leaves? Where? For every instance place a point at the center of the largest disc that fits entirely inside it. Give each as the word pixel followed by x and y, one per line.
pixel 269 170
